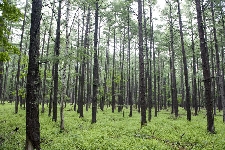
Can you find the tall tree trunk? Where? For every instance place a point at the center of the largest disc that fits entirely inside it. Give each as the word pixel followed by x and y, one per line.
pixel 113 72
pixel 77 70
pixel 64 84
pixel 137 100
pixel 206 69
pixel 45 69
pixel 173 77
pixel 185 65
pixel 86 46
pixel 5 94
pixel 154 70
pixel 43 84
pixel 141 67
pixel 149 69
pixel 219 80
pixel 95 68
pixel 213 84
pixel 147 84
pixel 51 93
pixel 76 88
pixel 33 81
pixel 121 88
pixel 19 61
pixel 182 85
pixel 82 70
pixel 46 65
pixel 194 97
pixel 56 64
pixel 158 84
pixel 129 94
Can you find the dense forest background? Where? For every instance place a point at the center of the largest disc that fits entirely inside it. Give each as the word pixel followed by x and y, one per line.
pixel 144 55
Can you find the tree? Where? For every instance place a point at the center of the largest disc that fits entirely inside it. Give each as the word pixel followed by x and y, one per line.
pixel 56 64
pixel 206 69
pixel 113 71
pixel 6 48
pixel 172 65
pixel 141 66
pixel 220 83
pixel 185 65
pixel 33 80
pixel 95 68
pixel 19 61
pixel 64 68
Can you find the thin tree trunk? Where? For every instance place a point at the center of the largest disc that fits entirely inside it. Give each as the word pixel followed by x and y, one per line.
pixel 95 68
pixel 154 70
pixel 5 94
pixel 77 70
pixel 129 94
pixel 185 65
pixel 173 78
pixel 105 96
pixel 213 84
pixel 82 70
pixel 44 86
pixel 219 80
pixel 51 93
pixel 19 61
pixel 56 64
pixel 86 46
pixel 64 84
pixel 113 72
pixel 194 97
pixel 150 69
pixel 121 88
pixel 141 67
pixel 206 70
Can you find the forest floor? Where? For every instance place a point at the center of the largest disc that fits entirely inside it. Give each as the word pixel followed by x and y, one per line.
pixel 113 131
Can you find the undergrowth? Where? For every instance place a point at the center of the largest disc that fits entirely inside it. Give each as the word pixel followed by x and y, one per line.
pixel 113 131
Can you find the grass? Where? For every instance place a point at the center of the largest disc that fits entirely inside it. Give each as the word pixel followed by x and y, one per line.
pixel 113 131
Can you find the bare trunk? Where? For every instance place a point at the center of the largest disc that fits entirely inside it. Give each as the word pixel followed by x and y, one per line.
pixel 95 68
pixel 185 66
pixel 33 81
pixel 206 69
pixel 56 49
pixel 141 67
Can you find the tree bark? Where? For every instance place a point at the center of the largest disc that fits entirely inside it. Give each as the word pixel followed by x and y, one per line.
pixel 19 61
pixel 33 80
pixel 56 65
pixel 45 69
pixel 219 79
pixel 206 70
pixel 194 97
pixel 173 76
pixel 113 72
pixel 149 69
pixel 64 83
pixel 141 66
pixel 95 68
pixel 155 85
pixel 86 46
pixel 185 65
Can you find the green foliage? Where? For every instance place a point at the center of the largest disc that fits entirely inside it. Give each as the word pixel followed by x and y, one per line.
pixel 4 56
pixel 113 131
pixel 9 14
